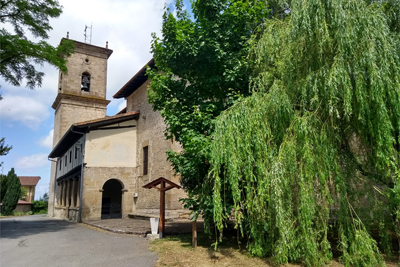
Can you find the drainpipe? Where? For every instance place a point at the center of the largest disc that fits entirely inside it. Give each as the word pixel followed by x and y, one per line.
pixel 81 180
pixel 55 182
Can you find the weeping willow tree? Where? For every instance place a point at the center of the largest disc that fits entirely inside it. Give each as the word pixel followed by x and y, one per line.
pixel 317 142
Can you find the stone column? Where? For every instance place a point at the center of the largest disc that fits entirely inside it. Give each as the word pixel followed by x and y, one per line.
pixel 68 195
pixel 61 200
pixel 65 194
pixel 56 197
pixel 78 196
pixel 73 204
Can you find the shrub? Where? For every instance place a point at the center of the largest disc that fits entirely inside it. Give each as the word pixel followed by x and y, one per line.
pixel 13 193
pixel 39 206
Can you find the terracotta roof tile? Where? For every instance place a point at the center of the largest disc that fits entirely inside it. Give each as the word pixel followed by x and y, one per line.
pixel 106 118
pixel 23 202
pixel 29 180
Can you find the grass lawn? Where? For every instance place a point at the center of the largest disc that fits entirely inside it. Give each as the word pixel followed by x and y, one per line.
pixel 178 251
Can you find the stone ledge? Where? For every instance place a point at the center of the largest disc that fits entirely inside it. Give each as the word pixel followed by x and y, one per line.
pixel 170 215
pixel 118 231
pixel 152 237
pixel 147 216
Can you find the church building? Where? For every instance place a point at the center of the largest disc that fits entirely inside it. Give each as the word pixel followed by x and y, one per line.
pixel 100 163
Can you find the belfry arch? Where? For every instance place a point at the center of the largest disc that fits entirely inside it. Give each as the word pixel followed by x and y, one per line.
pixel 111 204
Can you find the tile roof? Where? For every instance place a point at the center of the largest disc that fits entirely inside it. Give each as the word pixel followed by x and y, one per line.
pixel 78 129
pixel 29 180
pixel 23 202
pixel 107 118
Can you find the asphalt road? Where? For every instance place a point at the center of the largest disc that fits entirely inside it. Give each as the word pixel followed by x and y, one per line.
pixel 40 241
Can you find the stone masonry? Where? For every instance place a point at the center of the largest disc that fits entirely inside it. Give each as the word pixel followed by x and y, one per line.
pixel 74 105
pixel 150 132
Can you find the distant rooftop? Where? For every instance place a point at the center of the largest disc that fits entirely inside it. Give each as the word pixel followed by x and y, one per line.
pixel 29 180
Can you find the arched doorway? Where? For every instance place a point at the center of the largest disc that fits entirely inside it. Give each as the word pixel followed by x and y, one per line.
pixel 111 204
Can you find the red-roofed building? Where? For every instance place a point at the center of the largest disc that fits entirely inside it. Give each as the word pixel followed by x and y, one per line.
pixel 29 183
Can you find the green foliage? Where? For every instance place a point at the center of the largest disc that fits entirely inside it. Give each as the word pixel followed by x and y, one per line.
pixel 23 193
pixel 18 54
pixel 20 213
pixel 39 206
pixel 208 55
pixel 316 138
pixel 319 137
pixel 4 149
pixel 45 197
pixel 3 186
pixel 12 194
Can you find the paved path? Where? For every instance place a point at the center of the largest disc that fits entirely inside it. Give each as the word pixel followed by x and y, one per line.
pixel 40 241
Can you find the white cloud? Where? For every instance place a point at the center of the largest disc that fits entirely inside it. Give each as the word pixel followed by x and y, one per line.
pixel 33 161
pixel 48 140
pixel 40 190
pixel 31 112
pixel 122 105
pixel 127 26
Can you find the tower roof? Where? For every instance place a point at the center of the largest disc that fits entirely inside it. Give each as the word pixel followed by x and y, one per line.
pixel 90 49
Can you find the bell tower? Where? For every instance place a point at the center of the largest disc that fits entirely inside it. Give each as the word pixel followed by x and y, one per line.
pixel 81 96
pixel 82 92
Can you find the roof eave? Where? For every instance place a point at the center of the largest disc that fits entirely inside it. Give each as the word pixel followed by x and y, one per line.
pixel 72 133
pixel 124 91
pixel 76 131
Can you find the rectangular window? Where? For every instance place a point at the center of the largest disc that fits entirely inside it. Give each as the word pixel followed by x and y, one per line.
pixel 76 151
pixel 70 156
pixel 60 163
pixel 145 159
pixel 65 160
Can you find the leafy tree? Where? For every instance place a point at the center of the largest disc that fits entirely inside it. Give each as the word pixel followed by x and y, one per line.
pixel 23 193
pixel 3 186
pixel 314 139
pixel 45 197
pixel 4 149
pixel 209 57
pixel 18 54
pixel 319 137
pixel 12 194
pixel 40 206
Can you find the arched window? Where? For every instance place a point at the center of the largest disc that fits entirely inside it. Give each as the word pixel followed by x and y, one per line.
pixel 85 83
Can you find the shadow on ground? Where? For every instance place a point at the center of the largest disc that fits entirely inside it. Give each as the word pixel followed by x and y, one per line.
pixel 17 227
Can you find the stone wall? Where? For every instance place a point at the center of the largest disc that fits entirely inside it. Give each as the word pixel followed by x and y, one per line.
pixel 93 181
pixel 85 61
pixel 73 105
pixel 23 208
pixel 150 132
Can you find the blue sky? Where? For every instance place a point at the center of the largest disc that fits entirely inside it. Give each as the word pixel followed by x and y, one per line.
pixel 26 116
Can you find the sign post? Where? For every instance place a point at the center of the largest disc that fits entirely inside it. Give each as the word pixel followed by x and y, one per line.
pixel 165 185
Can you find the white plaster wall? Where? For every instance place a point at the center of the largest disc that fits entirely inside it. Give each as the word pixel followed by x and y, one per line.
pixel 112 148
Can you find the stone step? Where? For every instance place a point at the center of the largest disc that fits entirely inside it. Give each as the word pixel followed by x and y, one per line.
pixel 147 217
pixel 170 215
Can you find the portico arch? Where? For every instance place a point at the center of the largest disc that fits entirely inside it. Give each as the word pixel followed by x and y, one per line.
pixel 111 204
